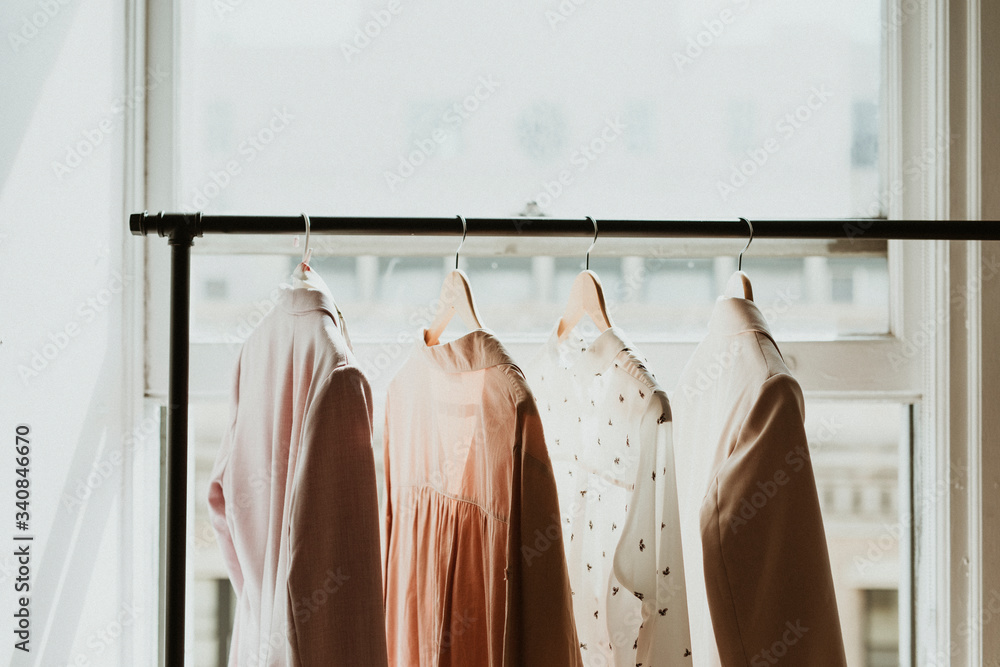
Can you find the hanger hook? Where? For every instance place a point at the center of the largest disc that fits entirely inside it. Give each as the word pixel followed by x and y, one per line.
pixel 307 251
pixel 594 242
pixel 465 230
pixel 739 264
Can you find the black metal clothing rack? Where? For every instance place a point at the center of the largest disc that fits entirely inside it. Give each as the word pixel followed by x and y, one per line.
pixel 181 229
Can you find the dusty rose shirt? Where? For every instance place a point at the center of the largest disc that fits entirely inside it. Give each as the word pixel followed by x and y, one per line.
pixel 293 497
pixel 475 573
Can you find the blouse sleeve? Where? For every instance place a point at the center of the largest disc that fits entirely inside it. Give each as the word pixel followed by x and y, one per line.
pixel 334 571
pixel 217 495
pixel 540 625
pixel 648 558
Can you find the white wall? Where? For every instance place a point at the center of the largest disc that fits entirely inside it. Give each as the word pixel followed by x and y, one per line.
pixel 63 294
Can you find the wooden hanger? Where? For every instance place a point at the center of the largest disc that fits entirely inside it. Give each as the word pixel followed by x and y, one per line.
pixel 456 298
pixel 586 297
pixel 738 286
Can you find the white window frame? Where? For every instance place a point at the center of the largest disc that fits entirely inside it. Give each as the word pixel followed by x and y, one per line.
pixel 932 65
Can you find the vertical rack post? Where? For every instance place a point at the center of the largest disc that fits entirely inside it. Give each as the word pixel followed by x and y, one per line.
pixel 177 445
pixel 181 230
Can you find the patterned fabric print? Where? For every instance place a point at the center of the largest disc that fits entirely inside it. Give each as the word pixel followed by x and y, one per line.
pixel 607 426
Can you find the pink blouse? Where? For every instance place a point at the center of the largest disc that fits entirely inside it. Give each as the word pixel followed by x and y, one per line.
pixel 293 497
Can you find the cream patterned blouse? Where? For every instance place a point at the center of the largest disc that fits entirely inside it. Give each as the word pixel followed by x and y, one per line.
pixel 607 425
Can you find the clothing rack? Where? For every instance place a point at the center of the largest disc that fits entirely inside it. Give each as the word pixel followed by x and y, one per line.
pixel 181 229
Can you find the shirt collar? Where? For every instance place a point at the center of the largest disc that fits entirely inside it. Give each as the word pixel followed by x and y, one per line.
pixel 300 300
pixel 476 350
pixel 573 353
pixel 733 315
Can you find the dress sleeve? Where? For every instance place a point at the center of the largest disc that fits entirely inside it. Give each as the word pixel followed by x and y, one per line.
pixel 767 568
pixel 648 557
pixel 216 490
pixel 334 571
pixel 540 629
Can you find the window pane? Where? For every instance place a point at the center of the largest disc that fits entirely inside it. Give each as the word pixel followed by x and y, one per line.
pixel 882 621
pixel 859 458
pixel 684 109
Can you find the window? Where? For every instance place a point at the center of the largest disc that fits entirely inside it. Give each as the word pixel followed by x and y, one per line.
pixel 703 110
pixel 864 148
pixel 387 109
pixel 857 450
pixel 882 646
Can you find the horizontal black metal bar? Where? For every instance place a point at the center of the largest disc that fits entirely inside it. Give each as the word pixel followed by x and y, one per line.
pixel 196 224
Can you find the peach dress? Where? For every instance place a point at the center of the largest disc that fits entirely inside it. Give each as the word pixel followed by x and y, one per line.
pixel 475 572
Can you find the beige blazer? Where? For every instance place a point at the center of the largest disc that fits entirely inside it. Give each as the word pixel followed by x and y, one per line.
pixel 293 497
pixel 758 571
